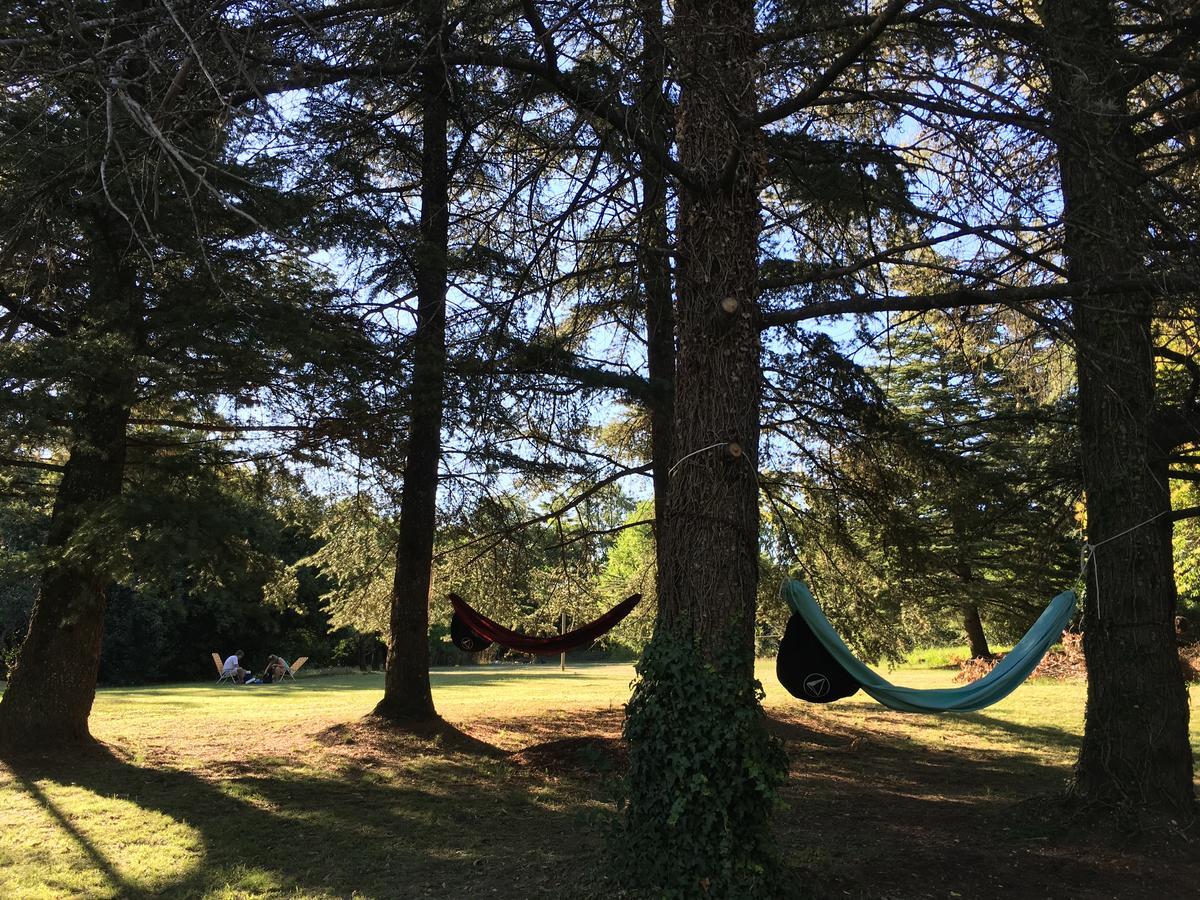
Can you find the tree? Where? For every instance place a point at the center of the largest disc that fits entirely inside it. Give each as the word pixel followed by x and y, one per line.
pixel 1135 747
pixel 1095 101
pixel 137 288
pixel 715 830
pixel 521 566
pixel 956 496
pixel 406 695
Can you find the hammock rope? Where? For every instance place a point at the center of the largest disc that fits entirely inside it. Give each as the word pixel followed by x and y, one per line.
pixel 1007 675
pixel 493 632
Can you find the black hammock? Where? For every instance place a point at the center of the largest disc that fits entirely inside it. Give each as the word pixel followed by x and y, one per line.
pixel 472 631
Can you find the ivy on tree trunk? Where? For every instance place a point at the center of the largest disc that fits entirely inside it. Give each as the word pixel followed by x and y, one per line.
pixel 716 838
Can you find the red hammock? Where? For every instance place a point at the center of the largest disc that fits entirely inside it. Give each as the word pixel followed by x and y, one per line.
pixel 541 646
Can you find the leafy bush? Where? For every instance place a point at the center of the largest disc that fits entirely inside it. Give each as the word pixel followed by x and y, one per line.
pixel 702 781
pixel 142 637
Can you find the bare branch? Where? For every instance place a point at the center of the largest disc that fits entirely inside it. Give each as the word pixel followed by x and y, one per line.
pixel 848 58
pixel 1014 296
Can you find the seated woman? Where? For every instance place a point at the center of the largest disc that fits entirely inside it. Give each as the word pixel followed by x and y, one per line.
pixel 275 670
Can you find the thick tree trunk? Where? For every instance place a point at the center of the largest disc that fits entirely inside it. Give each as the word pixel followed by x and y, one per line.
pixel 709 580
pixel 1135 747
pixel 407 695
pixel 654 264
pixel 53 684
pixel 702 766
pixel 973 626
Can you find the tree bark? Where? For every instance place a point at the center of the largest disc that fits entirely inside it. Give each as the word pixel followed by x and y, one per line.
pixel 976 639
pixel 53 684
pixel 407 695
pixel 1135 749
pixel 700 787
pixel 654 265
pixel 965 572
pixel 709 580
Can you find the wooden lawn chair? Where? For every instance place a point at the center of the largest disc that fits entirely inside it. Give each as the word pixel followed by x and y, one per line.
pixel 222 675
pixel 290 671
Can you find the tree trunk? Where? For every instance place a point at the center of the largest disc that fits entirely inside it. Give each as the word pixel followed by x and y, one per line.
pixel 654 265
pixel 702 767
pixel 1135 746
pixel 53 684
pixel 976 639
pixel 407 695
pixel 709 581
pixel 965 572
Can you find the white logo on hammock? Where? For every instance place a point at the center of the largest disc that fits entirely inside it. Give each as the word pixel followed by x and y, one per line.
pixel 816 685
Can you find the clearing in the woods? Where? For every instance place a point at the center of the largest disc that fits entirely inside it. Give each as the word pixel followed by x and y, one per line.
pixel 283 792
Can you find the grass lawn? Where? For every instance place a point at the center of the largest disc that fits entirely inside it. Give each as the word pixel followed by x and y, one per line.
pixel 280 792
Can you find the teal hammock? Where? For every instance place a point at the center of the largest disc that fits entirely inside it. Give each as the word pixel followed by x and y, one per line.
pixel 996 685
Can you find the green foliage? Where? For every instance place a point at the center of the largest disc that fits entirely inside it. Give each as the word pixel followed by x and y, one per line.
pixel 956 485
pixel 702 782
pixel 139 630
pixel 630 568
pixel 524 575
pixel 194 548
pixel 22 531
pixel 1186 540
pixel 356 559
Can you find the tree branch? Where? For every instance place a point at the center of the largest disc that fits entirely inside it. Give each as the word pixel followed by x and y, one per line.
pixel 217 427
pixel 1188 512
pixel 622 117
pixel 848 58
pixel 26 463
pixel 955 299
pixel 22 312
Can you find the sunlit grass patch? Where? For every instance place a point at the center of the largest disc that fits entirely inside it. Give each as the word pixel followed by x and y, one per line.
pixel 64 839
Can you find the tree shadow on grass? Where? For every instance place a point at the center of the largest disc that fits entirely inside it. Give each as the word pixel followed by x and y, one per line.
pixel 385 740
pixel 1055 738
pixel 873 814
pixel 409 816
pixel 63 822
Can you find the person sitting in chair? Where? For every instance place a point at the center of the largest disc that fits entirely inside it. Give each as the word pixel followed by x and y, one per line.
pixel 274 671
pixel 234 664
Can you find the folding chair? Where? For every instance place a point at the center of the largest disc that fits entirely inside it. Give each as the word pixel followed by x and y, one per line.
pixel 290 671
pixel 222 675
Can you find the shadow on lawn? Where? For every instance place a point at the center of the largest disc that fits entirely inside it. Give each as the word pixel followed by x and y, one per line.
pixel 873 815
pixel 1043 735
pixel 433 816
pixel 97 859
pixel 443 814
